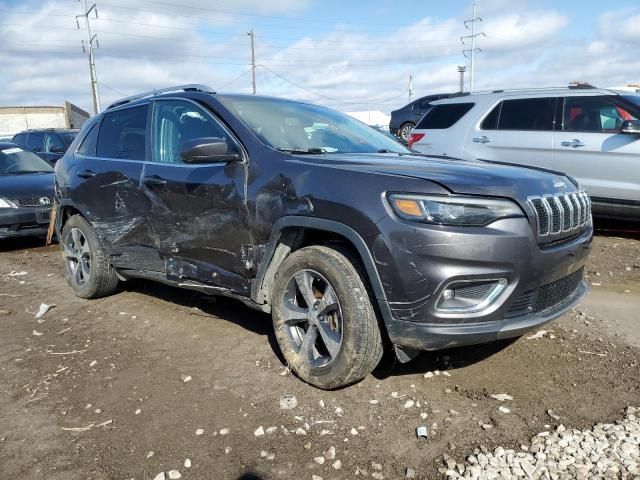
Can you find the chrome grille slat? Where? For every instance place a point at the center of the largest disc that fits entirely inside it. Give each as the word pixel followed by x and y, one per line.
pixel 561 215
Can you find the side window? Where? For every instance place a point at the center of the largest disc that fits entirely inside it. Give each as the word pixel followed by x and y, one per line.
pixel 444 116
pixel 89 142
pixel 20 139
pixel 490 122
pixel 53 144
pixel 593 114
pixel 424 104
pixel 527 114
pixel 176 122
pixel 123 134
pixel 35 141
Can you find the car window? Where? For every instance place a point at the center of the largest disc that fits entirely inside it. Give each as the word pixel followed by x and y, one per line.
pixel 20 139
pixel 176 122
pixel 123 134
pixel 53 144
pixel 424 103
pixel 303 128
pixel 490 122
pixel 527 114
pixel 68 138
pixel 16 161
pixel 593 114
pixel 89 142
pixel 35 141
pixel 444 116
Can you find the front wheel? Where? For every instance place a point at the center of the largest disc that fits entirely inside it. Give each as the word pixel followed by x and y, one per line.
pixel 324 321
pixel 86 266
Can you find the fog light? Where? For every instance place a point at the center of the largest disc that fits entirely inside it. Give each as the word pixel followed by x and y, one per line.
pixel 470 296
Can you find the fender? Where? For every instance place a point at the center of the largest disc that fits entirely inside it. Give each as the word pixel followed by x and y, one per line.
pixel 280 244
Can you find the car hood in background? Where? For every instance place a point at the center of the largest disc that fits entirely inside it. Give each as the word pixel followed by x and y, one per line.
pixel 27 185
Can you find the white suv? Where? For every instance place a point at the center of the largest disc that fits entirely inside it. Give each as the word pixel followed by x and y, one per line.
pixel 589 133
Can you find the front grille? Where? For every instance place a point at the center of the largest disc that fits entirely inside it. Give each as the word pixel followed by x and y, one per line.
pixel 42 201
pixel 560 216
pixel 547 296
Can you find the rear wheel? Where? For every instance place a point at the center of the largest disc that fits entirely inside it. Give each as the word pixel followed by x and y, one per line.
pixel 86 266
pixel 324 321
pixel 405 131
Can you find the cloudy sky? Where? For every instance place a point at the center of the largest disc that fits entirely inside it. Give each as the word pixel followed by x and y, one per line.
pixel 333 52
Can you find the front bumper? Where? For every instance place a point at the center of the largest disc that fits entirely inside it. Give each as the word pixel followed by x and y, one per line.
pixel 417 262
pixel 22 222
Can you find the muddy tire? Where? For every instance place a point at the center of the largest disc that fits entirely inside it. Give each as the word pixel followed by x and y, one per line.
pixel 323 318
pixel 86 266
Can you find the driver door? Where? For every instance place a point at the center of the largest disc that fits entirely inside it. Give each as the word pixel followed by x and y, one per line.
pixel 198 211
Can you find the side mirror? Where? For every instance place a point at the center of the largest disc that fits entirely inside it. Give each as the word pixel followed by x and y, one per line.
pixel 630 127
pixel 208 150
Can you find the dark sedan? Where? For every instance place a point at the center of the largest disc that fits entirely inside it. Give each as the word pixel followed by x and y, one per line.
pixel 26 192
pixel 404 119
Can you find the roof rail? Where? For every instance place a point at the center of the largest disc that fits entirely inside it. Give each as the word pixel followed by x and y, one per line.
pixel 179 88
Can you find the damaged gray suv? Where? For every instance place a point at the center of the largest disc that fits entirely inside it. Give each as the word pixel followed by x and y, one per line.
pixel 352 242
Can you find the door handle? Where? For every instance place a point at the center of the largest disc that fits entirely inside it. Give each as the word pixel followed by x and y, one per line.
pixel 154 181
pixel 482 139
pixel 86 174
pixel 575 143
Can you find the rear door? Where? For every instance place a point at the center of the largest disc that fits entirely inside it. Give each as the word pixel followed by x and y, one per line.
pixel 590 147
pixel 107 171
pixel 198 211
pixel 515 131
pixel 35 143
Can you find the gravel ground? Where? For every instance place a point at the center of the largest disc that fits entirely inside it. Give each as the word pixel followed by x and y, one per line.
pixel 158 381
pixel 607 451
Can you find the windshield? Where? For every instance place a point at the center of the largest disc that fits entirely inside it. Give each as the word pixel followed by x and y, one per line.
pixel 302 128
pixel 16 161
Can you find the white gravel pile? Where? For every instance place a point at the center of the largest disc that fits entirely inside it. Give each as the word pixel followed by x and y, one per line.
pixel 607 451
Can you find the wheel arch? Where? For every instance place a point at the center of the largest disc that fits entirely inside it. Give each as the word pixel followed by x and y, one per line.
pixel 292 233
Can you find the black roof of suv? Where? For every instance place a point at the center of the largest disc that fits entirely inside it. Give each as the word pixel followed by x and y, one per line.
pixel 343 235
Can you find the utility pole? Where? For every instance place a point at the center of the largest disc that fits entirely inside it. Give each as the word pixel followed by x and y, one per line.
pixel 253 59
pixel 89 46
pixel 461 70
pixel 410 87
pixel 473 48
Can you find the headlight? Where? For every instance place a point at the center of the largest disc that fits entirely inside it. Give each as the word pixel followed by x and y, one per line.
pixel 4 203
pixel 453 210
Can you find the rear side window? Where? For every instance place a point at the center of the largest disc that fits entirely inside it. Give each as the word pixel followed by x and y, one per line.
pixel 35 141
pixel 89 142
pixel 20 139
pixel 123 134
pixel 444 116
pixel 524 114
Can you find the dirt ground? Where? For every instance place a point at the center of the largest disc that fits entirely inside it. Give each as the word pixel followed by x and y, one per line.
pixel 114 370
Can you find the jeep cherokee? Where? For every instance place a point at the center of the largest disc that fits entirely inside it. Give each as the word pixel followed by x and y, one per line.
pixel 347 238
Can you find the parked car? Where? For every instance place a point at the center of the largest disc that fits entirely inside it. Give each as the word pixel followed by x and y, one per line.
pixel 49 144
pixel 344 235
pixel 404 119
pixel 26 192
pixel 591 134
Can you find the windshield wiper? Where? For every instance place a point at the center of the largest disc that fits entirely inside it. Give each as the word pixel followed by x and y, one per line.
pixel 295 151
pixel 26 172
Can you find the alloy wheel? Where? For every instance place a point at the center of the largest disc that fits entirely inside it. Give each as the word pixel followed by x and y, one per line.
pixel 77 256
pixel 313 318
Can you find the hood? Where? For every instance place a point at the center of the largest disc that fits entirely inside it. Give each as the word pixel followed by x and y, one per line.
pixel 27 185
pixel 471 177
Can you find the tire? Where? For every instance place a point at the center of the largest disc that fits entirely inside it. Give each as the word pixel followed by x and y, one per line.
pixel 86 265
pixel 405 131
pixel 321 361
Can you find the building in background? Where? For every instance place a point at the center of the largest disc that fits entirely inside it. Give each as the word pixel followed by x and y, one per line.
pixel 17 119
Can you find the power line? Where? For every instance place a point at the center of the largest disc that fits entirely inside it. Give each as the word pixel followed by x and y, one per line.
pixel 231 81
pixel 91 39
pixel 473 48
